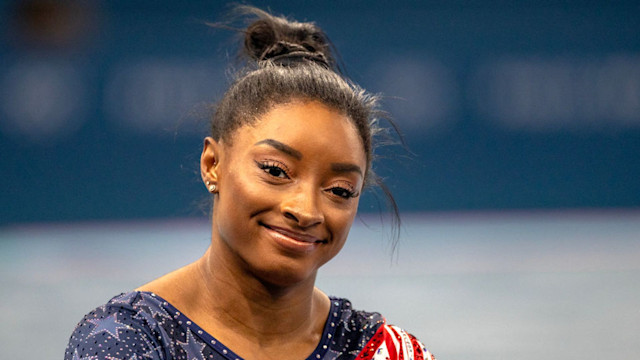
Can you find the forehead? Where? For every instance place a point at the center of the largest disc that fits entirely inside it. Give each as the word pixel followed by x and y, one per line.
pixel 310 126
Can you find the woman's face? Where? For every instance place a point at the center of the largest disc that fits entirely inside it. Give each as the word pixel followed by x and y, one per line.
pixel 288 191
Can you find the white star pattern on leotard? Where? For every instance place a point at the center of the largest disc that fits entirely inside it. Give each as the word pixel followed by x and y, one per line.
pixel 109 325
pixel 192 347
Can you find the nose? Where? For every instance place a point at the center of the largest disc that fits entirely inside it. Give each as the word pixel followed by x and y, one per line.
pixel 301 206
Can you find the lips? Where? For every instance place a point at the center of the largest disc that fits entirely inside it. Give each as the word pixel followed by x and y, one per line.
pixel 294 235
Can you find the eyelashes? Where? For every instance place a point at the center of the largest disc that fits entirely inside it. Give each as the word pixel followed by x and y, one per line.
pixel 275 169
pixel 343 192
pixel 278 170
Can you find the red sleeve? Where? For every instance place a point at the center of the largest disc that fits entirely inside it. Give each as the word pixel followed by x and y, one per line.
pixel 393 343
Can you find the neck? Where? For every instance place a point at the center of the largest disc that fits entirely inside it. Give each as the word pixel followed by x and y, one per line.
pixel 254 307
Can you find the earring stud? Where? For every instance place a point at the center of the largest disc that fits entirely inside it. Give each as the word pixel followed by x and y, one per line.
pixel 211 187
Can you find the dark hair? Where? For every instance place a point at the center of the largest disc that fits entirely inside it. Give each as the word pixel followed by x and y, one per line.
pixel 290 61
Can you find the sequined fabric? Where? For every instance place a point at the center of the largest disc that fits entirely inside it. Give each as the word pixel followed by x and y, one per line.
pixel 141 325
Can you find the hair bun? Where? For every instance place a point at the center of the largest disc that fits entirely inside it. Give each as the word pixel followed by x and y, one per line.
pixel 259 36
pixel 285 42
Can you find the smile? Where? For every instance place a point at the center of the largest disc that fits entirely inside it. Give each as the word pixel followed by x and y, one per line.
pixel 293 240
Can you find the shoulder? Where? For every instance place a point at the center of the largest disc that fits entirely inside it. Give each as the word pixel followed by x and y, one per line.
pixel 351 328
pixel 375 338
pixel 129 324
pixel 392 342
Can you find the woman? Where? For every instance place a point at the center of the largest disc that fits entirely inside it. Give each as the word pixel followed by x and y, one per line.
pixel 289 154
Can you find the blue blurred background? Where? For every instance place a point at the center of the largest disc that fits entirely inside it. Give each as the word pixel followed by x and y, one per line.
pixel 506 105
pixel 521 193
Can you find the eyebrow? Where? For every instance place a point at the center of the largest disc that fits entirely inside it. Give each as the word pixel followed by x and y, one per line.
pixel 336 167
pixel 281 147
pixel 345 167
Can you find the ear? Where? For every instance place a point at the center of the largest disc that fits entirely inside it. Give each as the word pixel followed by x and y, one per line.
pixel 209 160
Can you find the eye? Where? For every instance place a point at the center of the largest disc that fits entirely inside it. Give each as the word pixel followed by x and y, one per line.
pixel 273 169
pixel 343 193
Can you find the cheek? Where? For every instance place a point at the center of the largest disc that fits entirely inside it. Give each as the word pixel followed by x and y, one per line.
pixel 340 227
pixel 341 220
pixel 239 198
pixel 244 194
